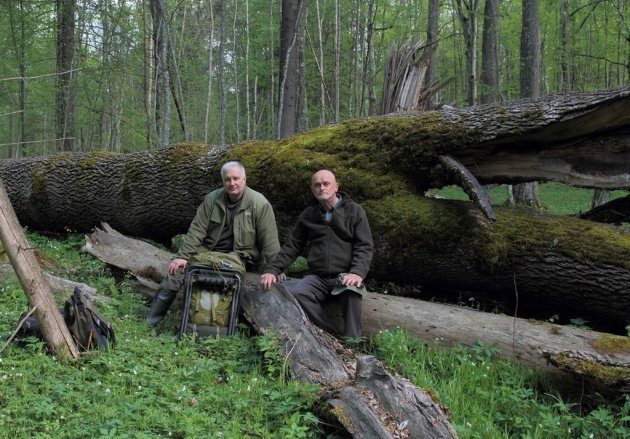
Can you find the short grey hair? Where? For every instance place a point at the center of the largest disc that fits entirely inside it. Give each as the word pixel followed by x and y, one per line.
pixel 230 165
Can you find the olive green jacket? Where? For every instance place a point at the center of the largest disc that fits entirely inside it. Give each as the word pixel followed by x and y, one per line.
pixel 255 231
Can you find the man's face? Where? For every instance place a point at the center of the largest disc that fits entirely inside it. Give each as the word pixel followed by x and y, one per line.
pixel 324 186
pixel 234 182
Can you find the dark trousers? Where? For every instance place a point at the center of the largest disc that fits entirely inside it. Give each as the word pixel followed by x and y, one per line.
pixel 312 290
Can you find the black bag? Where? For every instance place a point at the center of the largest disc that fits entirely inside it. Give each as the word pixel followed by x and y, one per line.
pixel 88 328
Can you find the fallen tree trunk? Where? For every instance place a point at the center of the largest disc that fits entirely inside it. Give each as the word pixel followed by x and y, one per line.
pixel 561 266
pixel 560 351
pixel 61 287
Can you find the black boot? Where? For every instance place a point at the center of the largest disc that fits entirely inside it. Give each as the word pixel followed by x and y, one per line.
pixel 161 302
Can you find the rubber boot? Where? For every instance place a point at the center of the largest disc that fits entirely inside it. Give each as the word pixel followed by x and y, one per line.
pixel 161 303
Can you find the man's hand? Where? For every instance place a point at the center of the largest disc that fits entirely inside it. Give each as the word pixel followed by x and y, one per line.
pixel 352 279
pixel 267 280
pixel 176 265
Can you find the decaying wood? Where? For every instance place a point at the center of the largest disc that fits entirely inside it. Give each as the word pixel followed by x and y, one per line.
pixel 53 327
pixel 313 356
pixel 61 287
pixel 557 350
pixel 561 265
pixel 560 351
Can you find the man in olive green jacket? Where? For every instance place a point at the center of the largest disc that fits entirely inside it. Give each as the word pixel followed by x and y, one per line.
pixel 233 219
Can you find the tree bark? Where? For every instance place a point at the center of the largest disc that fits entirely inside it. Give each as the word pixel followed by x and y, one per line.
pixel 210 73
pixel 66 42
pixel 363 397
pixel 467 12
pixel 490 53
pixel 222 80
pixel 562 265
pixel 562 352
pixel 527 193
pixel 162 75
pixel 289 66
pixel 433 29
pixel 54 329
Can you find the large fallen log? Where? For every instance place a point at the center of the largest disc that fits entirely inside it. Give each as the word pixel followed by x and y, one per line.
pixel 364 398
pixel 560 351
pixel 561 266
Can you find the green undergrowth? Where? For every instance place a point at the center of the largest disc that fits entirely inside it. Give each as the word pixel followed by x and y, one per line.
pixel 150 386
pixel 490 398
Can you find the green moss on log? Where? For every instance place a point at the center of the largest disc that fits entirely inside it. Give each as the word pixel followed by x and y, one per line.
pixel 519 231
pixel 609 343
pixel 93 159
pixel 613 376
pixel 422 229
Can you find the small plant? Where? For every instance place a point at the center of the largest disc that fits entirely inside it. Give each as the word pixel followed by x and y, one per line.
pixel 579 322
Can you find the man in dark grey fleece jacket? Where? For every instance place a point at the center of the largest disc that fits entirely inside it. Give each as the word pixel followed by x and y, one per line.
pixel 340 249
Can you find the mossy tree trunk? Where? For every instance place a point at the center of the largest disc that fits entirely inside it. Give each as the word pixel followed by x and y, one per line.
pixel 549 265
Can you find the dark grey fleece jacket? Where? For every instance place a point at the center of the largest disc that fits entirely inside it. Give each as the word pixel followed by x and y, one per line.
pixel 343 246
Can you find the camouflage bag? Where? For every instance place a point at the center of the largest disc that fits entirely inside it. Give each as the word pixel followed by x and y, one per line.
pixel 211 301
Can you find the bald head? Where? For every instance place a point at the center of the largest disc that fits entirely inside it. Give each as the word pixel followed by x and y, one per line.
pixel 324 187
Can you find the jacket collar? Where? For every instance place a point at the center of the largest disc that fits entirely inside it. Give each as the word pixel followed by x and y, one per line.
pixel 246 200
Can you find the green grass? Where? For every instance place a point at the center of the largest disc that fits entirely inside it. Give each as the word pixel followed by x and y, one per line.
pixel 555 198
pixel 498 399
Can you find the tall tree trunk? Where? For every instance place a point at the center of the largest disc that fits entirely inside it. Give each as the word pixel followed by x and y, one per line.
pixel 237 107
pixel 565 82
pixel 272 70
pixel 337 66
pixel 433 29
pixel 20 54
pixel 367 80
pixel 490 53
pixel 66 105
pixel 530 50
pixel 147 69
pixel 302 120
pixel 222 80
pixel 289 66
pixel 162 76
pixel 322 84
pixel 467 12
pixel 248 131
pixel 177 92
pixel 527 193
pixel 206 127
pixel 105 132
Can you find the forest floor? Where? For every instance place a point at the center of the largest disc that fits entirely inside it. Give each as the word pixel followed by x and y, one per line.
pixel 149 385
